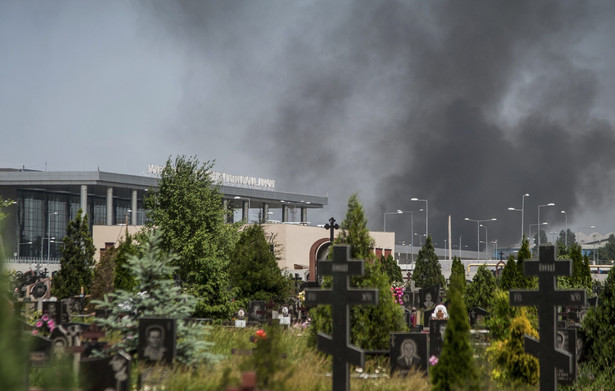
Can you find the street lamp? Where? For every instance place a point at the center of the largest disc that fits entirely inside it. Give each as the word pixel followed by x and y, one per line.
pixel 540 206
pixel 384 225
pixel 538 228
pixel 478 233
pixel 486 241
pixel 426 214
pixel 565 229
pixel 420 235
pixel 522 212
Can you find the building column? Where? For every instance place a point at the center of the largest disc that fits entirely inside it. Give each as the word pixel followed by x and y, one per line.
pixel 133 205
pixel 303 214
pixel 265 212
pixel 84 199
pixel 284 213
pixel 109 206
pixel 245 211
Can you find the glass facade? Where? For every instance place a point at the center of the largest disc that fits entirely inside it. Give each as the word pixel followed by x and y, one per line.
pixel 42 218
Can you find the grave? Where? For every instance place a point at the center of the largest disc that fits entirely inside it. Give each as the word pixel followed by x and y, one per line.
pixel 240 318
pixel 106 373
pixel 340 297
pixel 547 298
pixel 566 339
pixel 258 311
pixel 408 350
pixel 477 316
pixel 436 336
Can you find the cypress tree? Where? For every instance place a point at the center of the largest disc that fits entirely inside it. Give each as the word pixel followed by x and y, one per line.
pixel 523 255
pixel 77 260
pixel 598 328
pixel 456 369
pixel 254 268
pixel 511 277
pixel 123 279
pixel 457 269
pixel 104 274
pixel 371 325
pixel 392 270
pixel 427 269
pixel 481 290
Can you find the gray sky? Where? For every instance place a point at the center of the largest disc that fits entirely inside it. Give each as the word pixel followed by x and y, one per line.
pixel 466 104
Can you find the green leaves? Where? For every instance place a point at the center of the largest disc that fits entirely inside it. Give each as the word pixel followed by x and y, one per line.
pixel 427 271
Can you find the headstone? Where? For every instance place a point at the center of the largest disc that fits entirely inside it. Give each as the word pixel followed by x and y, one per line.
pixel 53 309
pixel 157 340
pixel 40 350
pixel 110 373
pixel 240 318
pixel 408 350
pixel 340 297
pixel 477 316
pixel 284 316
pixel 427 317
pixel 566 339
pixel 436 336
pixel 547 298
pixel 429 297
pixel 258 311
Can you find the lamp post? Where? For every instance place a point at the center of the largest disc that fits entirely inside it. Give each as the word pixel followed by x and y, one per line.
pixel 460 247
pixel 565 229
pixel 538 229
pixel 426 214
pixel 384 224
pixel 478 233
pixel 486 241
pixel 522 210
pixel 541 206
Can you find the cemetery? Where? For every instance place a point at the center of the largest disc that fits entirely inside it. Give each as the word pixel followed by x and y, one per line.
pixel 143 319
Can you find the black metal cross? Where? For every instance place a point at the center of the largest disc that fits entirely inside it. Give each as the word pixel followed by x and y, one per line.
pixel 547 298
pixel 340 298
pixel 331 226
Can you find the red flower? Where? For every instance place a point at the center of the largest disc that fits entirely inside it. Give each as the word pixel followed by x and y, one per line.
pixel 260 334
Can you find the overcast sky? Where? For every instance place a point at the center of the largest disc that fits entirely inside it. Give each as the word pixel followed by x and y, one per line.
pixel 467 104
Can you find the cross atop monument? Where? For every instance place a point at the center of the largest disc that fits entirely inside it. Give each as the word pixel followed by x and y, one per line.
pixel 340 297
pixel 547 298
pixel 331 226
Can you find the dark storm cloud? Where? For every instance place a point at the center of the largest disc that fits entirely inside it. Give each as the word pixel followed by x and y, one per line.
pixel 466 104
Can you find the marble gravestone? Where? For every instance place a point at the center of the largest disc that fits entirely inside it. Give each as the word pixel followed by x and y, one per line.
pixel 408 350
pixel 436 336
pixel 341 297
pixel 547 298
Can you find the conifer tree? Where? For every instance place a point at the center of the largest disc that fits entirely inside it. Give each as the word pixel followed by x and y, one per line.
pixel 122 277
pixel 581 275
pixel 480 291
pixel 456 369
pixel 513 365
pixel 511 277
pixel 156 294
pixel 427 269
pixel 77 260
pixel 523 255
pixel 371 325
pixel 457 269
pixel 254 268
pixel 391 268
pixel 188 210
pixel 599 330
pixel 103 274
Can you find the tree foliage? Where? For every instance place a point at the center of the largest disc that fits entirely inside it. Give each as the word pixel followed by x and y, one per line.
pixel 391 269
pixel 511 276
pixel 457 269
pixel 512 365
pixel 523 255
pixel 77 260
pixel 598 328
pixel 456 368
pixel 608 251
pixel 187 208
pixel 480 291
pixel 427 269
pixel 122 277
pixel 156 294
pixel 501 315
pixel 104 272
pixel 371 325
pixel 581 275
pixel 254 268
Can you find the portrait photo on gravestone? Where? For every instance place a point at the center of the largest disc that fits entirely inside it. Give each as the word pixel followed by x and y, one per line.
pixel 157 340
pixel 408 350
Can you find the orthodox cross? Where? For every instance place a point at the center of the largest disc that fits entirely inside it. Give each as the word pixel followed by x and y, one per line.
pixel 340 297
pixel 547 298
pixel 331 226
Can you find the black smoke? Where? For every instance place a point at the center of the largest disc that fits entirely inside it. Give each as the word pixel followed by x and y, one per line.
pixel 467 104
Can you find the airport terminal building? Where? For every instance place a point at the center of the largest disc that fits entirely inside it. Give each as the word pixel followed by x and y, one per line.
pixel 45 201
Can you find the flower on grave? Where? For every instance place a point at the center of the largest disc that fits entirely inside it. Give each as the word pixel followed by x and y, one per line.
pixel 433 360
pixel 398 293
pixel 260 334
pixel 301 297
pixel 44 326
